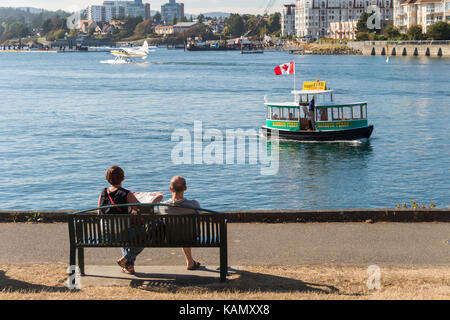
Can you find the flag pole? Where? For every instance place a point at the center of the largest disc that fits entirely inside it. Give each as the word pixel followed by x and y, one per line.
pixel 294 75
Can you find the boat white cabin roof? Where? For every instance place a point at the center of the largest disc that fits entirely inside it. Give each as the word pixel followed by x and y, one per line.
pixel 296 105
pixel 297 92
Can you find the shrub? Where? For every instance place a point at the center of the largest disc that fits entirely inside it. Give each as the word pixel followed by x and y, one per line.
pixel 439 31
pixel 362 36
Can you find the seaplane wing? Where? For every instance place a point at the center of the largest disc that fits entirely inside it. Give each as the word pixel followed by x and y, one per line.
pixel 141 52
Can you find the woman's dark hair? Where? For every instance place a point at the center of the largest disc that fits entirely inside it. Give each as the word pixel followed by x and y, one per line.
pixel 115 175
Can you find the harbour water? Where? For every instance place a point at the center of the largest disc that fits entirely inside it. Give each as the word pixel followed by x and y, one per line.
pixel 66 118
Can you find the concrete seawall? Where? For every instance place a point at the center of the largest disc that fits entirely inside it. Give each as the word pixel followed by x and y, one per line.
pixel 402 48
pixel 281 216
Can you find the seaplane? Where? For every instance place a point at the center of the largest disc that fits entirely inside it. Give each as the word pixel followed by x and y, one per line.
pixel 128 55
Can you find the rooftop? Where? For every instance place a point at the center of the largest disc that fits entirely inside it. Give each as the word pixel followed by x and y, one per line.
pixel 186 24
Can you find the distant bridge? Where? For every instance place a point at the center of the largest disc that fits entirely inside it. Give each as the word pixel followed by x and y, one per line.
pixel 402 48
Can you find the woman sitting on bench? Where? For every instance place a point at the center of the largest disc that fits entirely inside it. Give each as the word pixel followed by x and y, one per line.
pixel 116 195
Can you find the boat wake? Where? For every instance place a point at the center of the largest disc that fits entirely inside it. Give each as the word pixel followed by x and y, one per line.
pixel 121 61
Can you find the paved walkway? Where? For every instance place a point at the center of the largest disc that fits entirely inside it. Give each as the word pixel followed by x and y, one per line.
pixel 405 244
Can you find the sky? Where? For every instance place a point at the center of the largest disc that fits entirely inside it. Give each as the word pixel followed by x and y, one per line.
pixel 191 6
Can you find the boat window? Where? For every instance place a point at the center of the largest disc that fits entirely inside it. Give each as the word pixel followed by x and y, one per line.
pixel 356 112
pixel 363 111
pixel 292 114
pixel 295 112
pixel 336 113
pixel 347 114
pixel 323 114
pixel 275 113
pixel 284 113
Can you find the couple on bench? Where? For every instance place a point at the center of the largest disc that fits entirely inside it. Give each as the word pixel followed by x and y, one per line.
pixel 116 195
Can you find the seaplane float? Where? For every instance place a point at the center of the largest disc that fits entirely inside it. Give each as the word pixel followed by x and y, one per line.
pixel 129 55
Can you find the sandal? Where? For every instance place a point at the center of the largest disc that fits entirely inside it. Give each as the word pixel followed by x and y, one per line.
pixel 195 266
pixel 122 262
pixel 128 270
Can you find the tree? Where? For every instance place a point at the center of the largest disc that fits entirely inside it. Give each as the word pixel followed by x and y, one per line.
pixel 362 36
pixel 2 29
pixel 183 19
pixel 129 26
pixel 226 31
pixel 91 32
pixel 200 18
pixel 361 26
pixel 174 21
pixel 274 23
pixel 415 32
pixel 57 23
pixel 157 18
pixel 439 31
pixel 18 29
pixel 73 33
pixel 46 26
pixel 392 32
pixel 143 29
pixel 235 25
pixel 255 24
pixel 59 34
pixel 6 36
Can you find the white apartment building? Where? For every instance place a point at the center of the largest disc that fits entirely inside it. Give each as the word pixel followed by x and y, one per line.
pixel 288 20
pixel 118 9
pixel 313 17
pixel 421 12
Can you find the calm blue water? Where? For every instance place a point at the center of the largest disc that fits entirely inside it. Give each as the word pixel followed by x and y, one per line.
pixel 66 118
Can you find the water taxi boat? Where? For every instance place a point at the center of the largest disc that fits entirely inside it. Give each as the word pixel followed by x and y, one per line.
pixel 314 115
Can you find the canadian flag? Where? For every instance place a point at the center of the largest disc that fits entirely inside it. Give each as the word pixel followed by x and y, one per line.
pixel 287 68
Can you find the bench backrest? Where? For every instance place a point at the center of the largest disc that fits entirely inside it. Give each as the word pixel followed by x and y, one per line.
pixel 196 230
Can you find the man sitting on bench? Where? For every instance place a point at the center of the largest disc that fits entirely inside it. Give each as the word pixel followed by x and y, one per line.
pixel 178 187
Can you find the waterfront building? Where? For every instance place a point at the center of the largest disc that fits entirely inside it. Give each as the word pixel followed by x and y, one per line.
pixel 164 30
pixel 421 12
pixel 86 25
pixel 288 20
pixel 184 26
pixel 345 30
pixel 178 28
pixel 172 10
pixel 313 17
pixel 118 10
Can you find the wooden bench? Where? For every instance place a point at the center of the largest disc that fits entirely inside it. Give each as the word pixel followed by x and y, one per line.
pixel 147 231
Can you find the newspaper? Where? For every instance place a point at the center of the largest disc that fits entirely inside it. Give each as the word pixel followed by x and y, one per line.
pixel 146 197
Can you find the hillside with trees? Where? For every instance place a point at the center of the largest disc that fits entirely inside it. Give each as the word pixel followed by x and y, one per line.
pixel 23 24
pixel 19 23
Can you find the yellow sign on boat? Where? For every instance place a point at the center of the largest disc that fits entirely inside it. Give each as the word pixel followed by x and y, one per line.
pixel 315 85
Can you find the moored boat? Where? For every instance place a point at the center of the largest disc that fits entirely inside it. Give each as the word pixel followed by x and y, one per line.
pixel 314 115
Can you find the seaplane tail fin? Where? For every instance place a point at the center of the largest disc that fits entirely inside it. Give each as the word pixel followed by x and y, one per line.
pixel 145 47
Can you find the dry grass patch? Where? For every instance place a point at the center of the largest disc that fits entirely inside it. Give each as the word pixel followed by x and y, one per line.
pixel 47 281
